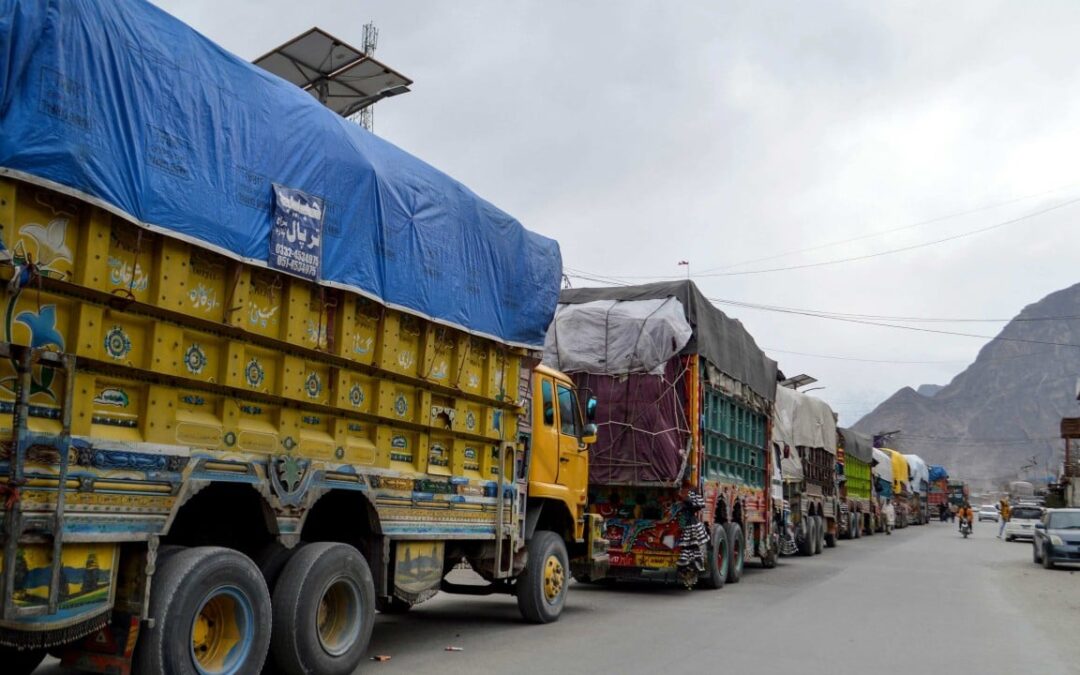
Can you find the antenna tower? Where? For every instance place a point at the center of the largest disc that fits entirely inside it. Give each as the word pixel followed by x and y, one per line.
pixel 371 42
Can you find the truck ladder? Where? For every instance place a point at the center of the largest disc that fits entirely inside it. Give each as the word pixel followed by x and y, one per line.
pixel 25 359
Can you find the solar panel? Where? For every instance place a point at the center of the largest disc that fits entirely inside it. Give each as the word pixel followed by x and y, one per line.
pixel 338 75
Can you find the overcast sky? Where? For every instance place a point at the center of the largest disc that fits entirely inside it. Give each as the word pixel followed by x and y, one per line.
pixel 639 134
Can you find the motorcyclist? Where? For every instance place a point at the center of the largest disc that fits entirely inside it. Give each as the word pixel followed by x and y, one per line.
pixel 966 515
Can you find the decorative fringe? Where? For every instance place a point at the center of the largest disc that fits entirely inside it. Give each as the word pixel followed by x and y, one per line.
pixel 56 637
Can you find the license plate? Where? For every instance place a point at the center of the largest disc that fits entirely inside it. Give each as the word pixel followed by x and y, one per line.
pixel 657 561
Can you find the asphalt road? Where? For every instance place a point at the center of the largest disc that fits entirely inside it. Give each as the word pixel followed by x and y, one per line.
pixel 921 600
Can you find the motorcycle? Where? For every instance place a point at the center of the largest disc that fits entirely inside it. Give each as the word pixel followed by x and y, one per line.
pixel 965 527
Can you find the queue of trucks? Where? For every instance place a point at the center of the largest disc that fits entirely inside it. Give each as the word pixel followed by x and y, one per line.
pixel 258 382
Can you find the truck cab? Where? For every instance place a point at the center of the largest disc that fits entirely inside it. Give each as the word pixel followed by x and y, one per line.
pixel 559 470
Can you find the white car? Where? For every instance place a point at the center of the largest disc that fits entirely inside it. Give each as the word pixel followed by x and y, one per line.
pixel 1022 521
pixel 988 512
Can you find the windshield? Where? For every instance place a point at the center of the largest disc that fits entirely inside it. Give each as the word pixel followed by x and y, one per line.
pixel 1065 520
pixel 1026 513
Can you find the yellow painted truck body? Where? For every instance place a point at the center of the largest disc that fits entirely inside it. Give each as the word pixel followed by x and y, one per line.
pixel 185 398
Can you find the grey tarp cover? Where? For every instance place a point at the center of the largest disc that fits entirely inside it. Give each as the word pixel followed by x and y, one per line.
pixel 859 446
pixel 801 420
pixel 608 337
pixel 723 341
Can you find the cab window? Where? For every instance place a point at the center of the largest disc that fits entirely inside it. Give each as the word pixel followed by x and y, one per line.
pixel 549 402
pixel 569 415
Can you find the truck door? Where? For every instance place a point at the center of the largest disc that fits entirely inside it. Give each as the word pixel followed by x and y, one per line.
pixel 573 458
pixel 546 452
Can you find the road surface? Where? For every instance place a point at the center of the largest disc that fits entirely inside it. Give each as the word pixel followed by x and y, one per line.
pixel 921 600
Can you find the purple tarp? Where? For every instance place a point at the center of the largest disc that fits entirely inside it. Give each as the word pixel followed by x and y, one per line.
pixel 643 431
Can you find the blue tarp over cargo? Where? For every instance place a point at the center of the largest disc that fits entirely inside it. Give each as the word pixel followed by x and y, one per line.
pixel 119 103
pixel 938 472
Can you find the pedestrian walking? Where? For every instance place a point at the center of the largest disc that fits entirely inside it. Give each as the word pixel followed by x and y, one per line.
pixel 1006 513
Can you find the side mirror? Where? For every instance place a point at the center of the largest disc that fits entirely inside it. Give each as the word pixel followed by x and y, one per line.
pixel 590 408
pixel 588 434
pixel 549 414
pixel 1040 526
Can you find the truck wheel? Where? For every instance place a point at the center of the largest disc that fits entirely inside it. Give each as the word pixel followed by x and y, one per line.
pixel 808 534
pixel 828 537
pixel 718 559
pixel 541 588
pixel 271 559
pixel 211 613
pixel 394 605
pixel 21 661
pixel 737 546
pixel 869 529
pixel 324 609
pixel 819 539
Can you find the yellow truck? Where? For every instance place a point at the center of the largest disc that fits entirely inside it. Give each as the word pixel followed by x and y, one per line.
pixel 212 460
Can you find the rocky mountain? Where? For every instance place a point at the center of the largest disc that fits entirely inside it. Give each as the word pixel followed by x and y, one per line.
pixel 929 389
pixel 1003 409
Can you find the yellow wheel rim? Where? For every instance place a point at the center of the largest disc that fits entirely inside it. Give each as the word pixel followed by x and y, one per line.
pixel 338 616
pixel 554 578
pixel 221 632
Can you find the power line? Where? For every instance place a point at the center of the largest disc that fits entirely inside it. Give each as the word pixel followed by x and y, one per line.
pixel 893 325
pixel 879 233
pixel 852 358
pixel 869 256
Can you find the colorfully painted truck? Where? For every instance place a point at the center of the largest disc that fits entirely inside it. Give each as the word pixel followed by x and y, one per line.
pixel 804 428
pixel 901 491
pixel 261 372
pixel 858 510
pixel 882 473
pixel 919 488
pixel 958 492
pixel 938 497
pixel 681 471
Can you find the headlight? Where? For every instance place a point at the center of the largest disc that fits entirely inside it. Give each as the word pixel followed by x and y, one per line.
pixel 1056 540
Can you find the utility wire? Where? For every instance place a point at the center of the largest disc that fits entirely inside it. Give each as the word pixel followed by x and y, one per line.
pixel 880 233
pixel 869 256
pixel 919 329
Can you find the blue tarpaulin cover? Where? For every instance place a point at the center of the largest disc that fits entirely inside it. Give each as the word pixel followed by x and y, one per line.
pixel 119 103
pixel 938 472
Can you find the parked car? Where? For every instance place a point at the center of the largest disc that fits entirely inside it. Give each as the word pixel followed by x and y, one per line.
pixel 988 512
pixel 1021 523
pixel 1057 538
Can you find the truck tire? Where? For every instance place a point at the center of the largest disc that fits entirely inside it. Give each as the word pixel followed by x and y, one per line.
pixel 718 559
pixel 737 546
pixel 808 533
pixel 541 588
pixel 828 537
pixel 21 661
pixel 271 559
pixel 324 610
pixel 868 530
pixel 211 613
pixel 819 537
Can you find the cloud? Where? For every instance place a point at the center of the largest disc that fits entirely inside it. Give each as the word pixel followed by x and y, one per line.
pixel 639 134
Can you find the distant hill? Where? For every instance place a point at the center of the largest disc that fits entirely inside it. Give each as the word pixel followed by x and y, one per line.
pixel 1004 408
pixel 929 390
